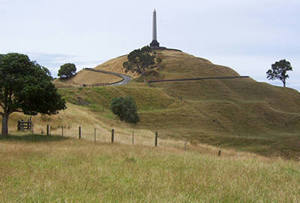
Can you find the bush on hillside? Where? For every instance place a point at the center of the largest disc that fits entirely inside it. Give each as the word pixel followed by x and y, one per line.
pixel 67 71
pixel 140 60
pixel 125 108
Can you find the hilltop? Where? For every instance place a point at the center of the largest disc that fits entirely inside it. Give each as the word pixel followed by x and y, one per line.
pixel 239 113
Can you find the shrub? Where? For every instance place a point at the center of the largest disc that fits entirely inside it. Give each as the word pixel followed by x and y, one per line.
pixel 125 108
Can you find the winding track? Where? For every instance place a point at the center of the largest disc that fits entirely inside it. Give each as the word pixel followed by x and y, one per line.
pixel 125 78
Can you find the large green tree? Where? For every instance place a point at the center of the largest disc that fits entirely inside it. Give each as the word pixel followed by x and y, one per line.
pixel 26 87
pixel 279 71
pixel 67 71
pixel 139 60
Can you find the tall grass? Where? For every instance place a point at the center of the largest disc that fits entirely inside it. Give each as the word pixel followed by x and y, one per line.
pixel 81 171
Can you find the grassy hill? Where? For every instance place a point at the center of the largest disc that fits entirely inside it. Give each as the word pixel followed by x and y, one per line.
pixel 239 113
pixel 237 116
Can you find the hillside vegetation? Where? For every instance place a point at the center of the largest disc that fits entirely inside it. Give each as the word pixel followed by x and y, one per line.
pixel 238 113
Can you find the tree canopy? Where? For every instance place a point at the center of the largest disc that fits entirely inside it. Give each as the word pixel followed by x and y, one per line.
pixel 279 71
pixel 26 87
pixel 67 71
pixel 139 60
pixel 125 108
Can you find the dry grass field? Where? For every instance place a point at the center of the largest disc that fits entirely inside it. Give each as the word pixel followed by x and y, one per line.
pixel 37 168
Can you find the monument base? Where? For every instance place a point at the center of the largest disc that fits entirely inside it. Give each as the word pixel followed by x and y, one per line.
pixel 154 44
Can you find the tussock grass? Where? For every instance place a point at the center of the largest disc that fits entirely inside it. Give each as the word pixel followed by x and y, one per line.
pixel 72 170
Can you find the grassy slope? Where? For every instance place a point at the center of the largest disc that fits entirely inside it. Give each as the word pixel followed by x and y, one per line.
pixel 116 65
pixel 87 78
pixel 43 169
pixel 239 113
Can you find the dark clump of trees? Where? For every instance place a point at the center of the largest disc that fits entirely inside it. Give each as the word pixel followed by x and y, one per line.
pixel 139 60
pixel 279 71
pixel 125 108
pixel 26 87
pixel 67 71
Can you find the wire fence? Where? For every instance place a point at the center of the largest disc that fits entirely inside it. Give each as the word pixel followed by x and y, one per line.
pixel 102 135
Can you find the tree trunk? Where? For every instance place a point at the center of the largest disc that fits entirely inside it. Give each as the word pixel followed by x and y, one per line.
pixel 283 82
pixel 5 124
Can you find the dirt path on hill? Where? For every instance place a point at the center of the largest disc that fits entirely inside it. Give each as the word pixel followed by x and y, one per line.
pixel 125 78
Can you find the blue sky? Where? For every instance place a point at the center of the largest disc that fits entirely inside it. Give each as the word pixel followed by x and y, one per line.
pixel 247 35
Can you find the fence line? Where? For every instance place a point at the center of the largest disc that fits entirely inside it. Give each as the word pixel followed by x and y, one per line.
pixel 114 136
pixel 133 137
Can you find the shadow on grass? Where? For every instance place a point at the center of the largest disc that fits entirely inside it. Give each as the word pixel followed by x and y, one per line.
pixel 33 138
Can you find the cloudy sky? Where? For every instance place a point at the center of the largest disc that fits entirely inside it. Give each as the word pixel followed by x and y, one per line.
pixel 247 35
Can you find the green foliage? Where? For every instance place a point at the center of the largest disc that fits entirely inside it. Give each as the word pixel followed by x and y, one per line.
pixel 279 71
pixel 25 86
pixel 67 71
pixel 158 60
pixel 139 60
pixel 125 108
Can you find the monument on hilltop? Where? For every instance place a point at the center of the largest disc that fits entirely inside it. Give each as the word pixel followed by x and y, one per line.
pixel 154 44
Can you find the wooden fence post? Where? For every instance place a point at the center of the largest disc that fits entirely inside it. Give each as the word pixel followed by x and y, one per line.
pixel 219 153
pixel 95 135
pixel 19 125
pixel 62 131
pixel 48 130
pixel 112 135
pixel 156 138
pixel 79 132
pixel 132 137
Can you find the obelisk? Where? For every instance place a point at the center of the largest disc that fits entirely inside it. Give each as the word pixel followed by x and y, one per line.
pixel 154 44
